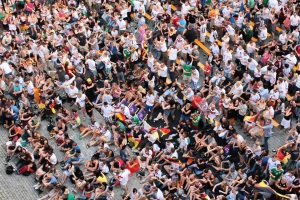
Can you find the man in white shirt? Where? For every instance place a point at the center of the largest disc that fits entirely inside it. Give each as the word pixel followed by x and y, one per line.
pixel 291 60
pixel 252 64
pixel 124 178
pixel 80 101
pixel 263 34
pixel 230 30
pixel 294 21
pixel 107 111
pixel 172 55
pixel 195 79
pixel 163 73
pixel 227 55
pixel 6 68
pixel 122 24
pixel 253 99
pixel 72 93
pixel 30 88
pixel 149 103
pixel 185 8
pixel 244 60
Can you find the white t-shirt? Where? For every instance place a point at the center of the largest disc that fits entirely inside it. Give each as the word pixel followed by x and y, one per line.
pixel 106 110
pixel 30 88
pixel 164 71
pixel 149 100
pixel 272 164
pixel 72 92
pixel 294 20
pixel 81 100
pixel 53 159
pixel 159 195
pixel 173 54
pixel 252 65
pixel 5 67
pixel 124 177
pixel 185 9
pixel 91 63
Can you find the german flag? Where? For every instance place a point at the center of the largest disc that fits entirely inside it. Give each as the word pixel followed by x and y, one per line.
pixel 121 117
pixel 262 187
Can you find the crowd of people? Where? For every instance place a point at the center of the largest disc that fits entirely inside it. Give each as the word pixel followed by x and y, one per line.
pixel 173 115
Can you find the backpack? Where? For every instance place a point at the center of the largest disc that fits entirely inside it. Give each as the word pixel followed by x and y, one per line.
pixel 9 169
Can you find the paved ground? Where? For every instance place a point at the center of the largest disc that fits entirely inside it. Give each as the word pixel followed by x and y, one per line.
pixel 15 187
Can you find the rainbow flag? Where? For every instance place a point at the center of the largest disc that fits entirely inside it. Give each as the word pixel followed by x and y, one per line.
pixel 262 187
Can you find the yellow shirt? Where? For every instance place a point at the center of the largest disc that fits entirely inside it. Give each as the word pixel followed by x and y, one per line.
pixel 102 179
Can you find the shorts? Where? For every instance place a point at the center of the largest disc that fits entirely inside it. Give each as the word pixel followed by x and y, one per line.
pixel 67 173
pixel 163 79
pixel 167 113
pixel 185 117
pixel 149 108
pixel 187 78
pixel 216 99
pixel 108 119
pixel 120 76
pixel 8 74
pixel 105 140
pixel 94 72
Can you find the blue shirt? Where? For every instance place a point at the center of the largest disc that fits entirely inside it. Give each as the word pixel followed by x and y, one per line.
pixel 53 180
pixel 182 22
pixel 268 130
pixel 264 93
pixel 17 88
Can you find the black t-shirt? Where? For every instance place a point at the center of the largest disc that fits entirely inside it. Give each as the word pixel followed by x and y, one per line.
pixel 61 76
pixel 191 18
pixel 78 82
pixel 120 68
pixel 82 39
pixel 69 145
pixel 294 154
pixel 190 35
pixel 248 188
pixel 245 96
pixel 136 134
pixel 172 103
pixel 239 73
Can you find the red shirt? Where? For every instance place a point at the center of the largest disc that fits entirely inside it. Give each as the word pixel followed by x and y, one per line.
pixel 207 69
pixel 176 21
pixel 196 99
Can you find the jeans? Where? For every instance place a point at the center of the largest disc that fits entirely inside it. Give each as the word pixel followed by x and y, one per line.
pixel 227 75
pixel 157 54
pixel 266 143
pixel 150 47
pixel 297 112
pixel 289 163
pixel 241 194
pixel 249 173
pixel 71 159
pixel 123 155
pixel 196 170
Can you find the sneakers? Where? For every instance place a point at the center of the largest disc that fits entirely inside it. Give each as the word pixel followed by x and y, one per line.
pixel 37 186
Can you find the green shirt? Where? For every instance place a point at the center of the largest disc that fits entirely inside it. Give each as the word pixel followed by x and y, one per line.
pixel 276 173
pixel 195 121
pixel 70 197
pixel 126 53
pixel 121 127
pixel 187 70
